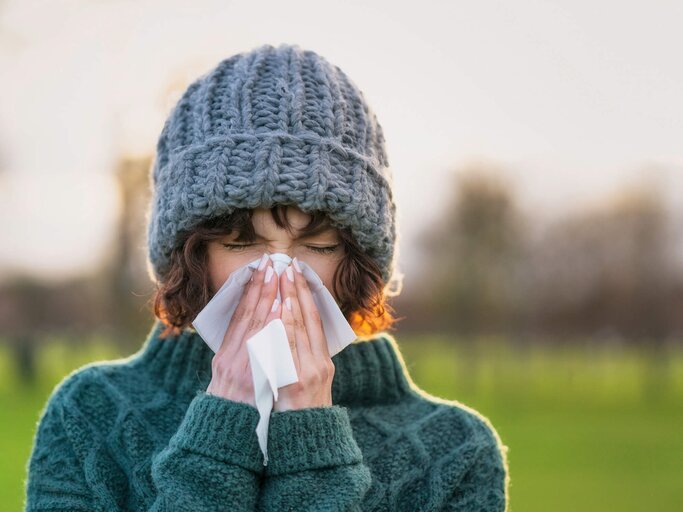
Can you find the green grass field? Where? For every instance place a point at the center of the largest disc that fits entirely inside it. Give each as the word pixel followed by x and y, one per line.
pixel 587 429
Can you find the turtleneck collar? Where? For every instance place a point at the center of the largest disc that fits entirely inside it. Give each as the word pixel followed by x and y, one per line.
pixel 368 371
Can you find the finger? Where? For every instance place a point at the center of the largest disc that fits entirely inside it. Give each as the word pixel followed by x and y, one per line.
pixel 288 322
pixel 303 343
pixel 239 323
pixel 310 314
pixel 265 303
pixel 275 311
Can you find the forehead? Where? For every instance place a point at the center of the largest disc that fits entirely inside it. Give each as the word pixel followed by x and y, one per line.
pixel 265 226
pixel 262 219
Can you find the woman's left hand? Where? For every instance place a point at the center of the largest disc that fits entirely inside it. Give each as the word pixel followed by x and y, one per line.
pixel 308 344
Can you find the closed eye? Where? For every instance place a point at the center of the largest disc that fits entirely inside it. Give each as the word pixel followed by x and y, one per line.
pixel 320 250
pixel 323 250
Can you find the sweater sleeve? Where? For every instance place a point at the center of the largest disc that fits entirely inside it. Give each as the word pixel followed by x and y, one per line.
pixel 212 462
pixel 314 462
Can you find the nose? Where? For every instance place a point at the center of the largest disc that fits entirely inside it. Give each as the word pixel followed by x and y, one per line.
pixel 280 257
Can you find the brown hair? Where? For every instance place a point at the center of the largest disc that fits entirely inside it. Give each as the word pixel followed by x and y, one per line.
pixel 185 290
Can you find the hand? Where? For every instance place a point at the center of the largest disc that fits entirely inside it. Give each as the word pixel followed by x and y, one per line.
pixel 230 369
pixel 308 344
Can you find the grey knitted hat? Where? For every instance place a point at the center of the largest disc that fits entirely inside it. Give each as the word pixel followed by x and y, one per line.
pixel 272 125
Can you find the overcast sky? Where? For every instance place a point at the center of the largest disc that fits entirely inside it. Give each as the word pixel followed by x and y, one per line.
pixel 571 99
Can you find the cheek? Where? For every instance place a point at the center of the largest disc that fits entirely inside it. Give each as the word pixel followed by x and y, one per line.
pixel 222 264
pixel 324 266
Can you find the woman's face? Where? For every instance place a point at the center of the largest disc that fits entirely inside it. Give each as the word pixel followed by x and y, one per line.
pixel 322 251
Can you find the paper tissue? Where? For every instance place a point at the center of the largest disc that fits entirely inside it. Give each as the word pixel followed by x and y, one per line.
pixel 272 365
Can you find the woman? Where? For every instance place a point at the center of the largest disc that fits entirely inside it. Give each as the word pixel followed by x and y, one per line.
pixel 274 150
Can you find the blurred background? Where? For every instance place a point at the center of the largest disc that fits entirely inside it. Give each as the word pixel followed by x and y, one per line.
pixel 538 169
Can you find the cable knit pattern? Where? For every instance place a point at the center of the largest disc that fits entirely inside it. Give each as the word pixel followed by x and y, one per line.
pixel 276 125
pixel 142 434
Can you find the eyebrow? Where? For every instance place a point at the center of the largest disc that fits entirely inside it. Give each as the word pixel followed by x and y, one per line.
pixel 323 229
pixel 316 232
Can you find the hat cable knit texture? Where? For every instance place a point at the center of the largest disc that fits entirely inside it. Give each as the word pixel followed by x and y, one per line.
pixel 276 125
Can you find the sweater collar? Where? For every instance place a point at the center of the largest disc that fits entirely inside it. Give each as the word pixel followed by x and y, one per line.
pixel 368 371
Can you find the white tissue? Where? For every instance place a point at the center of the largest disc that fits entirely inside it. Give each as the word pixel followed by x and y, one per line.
pixel 272 364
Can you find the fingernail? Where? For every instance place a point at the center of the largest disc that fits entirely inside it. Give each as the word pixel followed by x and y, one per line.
pixel 296 265
pixel 276 303
pixel 269 274
pixel 288 303
pixel 290 275
pixel 262 263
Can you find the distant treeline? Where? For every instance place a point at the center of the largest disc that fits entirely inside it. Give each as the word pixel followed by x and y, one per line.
pixel 608 271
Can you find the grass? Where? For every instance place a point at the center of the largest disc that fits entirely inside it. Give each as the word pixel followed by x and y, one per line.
pixel 587 428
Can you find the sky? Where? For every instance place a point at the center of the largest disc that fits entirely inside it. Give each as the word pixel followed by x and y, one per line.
pixel 569 100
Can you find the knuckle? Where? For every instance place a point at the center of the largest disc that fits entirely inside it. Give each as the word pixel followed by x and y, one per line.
pixel 321 375
pixel 231 371
pixel 324 372
pixel 292 340
pixel 308 378
pixel 244 380
pixel 255 324
pixel 221 365
pixel 314 376
pixel 239 313
pixel 246 312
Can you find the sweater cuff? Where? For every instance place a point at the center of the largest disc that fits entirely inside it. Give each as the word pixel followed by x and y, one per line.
pixel 310 438
pixel 222 429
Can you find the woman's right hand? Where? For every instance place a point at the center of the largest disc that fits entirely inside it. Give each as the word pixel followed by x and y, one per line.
pixel 230 369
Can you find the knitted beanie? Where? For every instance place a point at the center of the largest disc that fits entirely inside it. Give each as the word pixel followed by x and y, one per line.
pixel 272 125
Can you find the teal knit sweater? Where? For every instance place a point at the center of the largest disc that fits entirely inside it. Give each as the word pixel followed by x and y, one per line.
pixel 142 434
